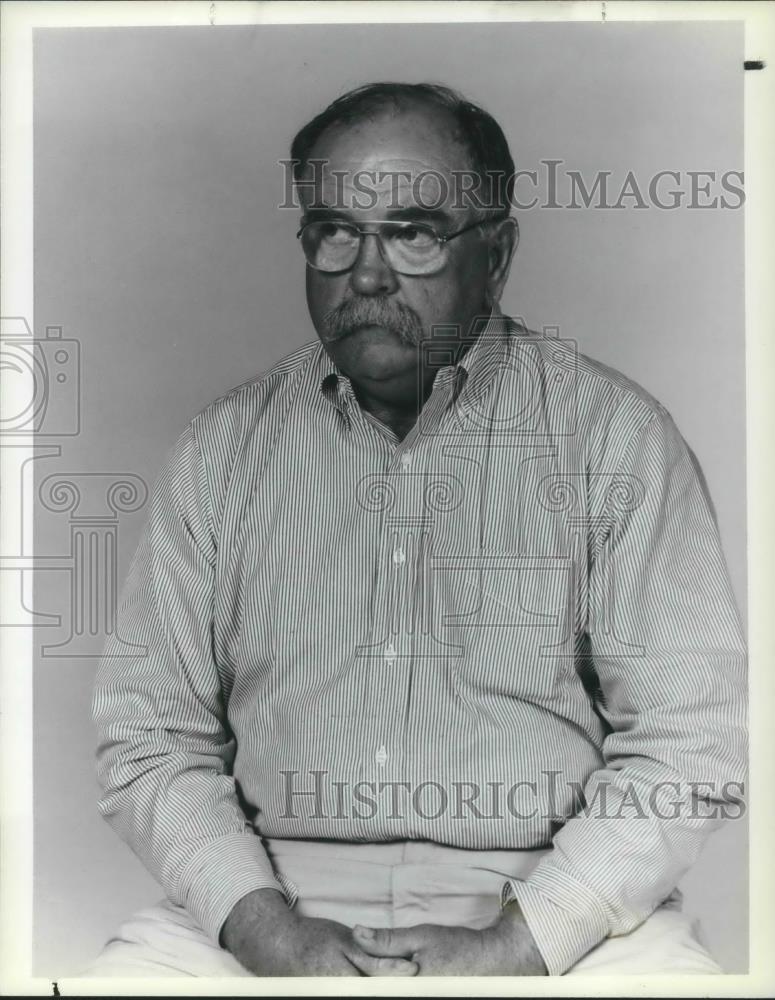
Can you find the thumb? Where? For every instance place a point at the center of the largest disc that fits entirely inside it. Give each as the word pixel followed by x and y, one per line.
pixel 386 942
pixel 370 965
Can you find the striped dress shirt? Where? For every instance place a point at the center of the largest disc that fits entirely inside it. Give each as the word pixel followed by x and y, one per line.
pixel 513 628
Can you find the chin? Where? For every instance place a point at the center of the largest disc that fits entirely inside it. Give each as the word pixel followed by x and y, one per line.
pixel 377 354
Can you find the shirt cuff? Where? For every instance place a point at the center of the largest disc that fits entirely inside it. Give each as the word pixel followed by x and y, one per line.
pixel 563 916
pixel 225 871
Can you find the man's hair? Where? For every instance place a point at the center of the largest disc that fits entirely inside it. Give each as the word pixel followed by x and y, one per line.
pixel 477 131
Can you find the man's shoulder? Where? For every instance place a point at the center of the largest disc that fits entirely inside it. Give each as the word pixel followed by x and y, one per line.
pixel 229 414
pixel 598 392
pixel 596 410
pixel 601 381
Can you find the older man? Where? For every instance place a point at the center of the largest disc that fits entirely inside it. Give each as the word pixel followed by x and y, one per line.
pixel 443 670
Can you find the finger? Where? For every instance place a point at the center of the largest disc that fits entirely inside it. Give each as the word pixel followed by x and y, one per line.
pixel 385 942
pixel 370 965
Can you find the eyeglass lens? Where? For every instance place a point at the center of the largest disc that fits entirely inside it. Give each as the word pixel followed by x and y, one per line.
pixel 408 248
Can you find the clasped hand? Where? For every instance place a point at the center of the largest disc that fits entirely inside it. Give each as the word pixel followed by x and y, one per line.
pixel 269 939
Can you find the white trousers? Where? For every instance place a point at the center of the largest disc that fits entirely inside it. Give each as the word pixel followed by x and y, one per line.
pixel 394 885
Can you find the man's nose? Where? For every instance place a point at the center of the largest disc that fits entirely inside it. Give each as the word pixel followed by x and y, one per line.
pixel 371 274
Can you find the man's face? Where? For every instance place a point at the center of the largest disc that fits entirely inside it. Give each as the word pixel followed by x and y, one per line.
pixel 371 319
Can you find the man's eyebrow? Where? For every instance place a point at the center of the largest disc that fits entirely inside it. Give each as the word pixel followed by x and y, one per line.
pixel 416 213
pixel 407 213
pixel 320 212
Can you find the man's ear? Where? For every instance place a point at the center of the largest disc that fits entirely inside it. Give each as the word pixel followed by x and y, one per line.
pixel 503 240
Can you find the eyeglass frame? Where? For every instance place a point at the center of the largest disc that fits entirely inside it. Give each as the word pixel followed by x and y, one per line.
pixel 403 223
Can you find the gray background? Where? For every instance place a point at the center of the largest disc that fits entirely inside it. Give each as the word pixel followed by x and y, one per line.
pixel 158 244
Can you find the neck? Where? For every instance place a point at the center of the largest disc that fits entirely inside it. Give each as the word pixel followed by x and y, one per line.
pixel 396 402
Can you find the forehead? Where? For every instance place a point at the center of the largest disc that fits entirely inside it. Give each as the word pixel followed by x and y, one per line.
pixel 406 157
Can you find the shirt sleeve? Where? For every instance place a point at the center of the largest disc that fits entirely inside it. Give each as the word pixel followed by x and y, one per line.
pixel 666 643
pixel 165 750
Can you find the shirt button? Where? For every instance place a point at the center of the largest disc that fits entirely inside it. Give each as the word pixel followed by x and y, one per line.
pixel 381 756
pixel 390 652
pixel 399 557
pixel 406 460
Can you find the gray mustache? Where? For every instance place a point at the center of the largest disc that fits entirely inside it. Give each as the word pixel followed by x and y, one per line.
pixel 352 314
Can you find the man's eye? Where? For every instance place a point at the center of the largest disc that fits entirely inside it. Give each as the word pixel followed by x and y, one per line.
pixel 334 232
pixel 415 236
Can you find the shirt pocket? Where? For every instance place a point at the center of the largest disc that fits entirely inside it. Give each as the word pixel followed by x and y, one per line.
pixel 515 633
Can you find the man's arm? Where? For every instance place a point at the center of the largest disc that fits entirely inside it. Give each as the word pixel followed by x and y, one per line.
pixel 668 650
pixel 165 752
pixel 676 708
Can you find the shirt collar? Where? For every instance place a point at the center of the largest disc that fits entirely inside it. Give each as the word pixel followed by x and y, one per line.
pixel 476 368
pixel 470 370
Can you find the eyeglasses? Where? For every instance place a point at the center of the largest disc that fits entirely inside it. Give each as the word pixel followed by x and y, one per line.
pixel 413 248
